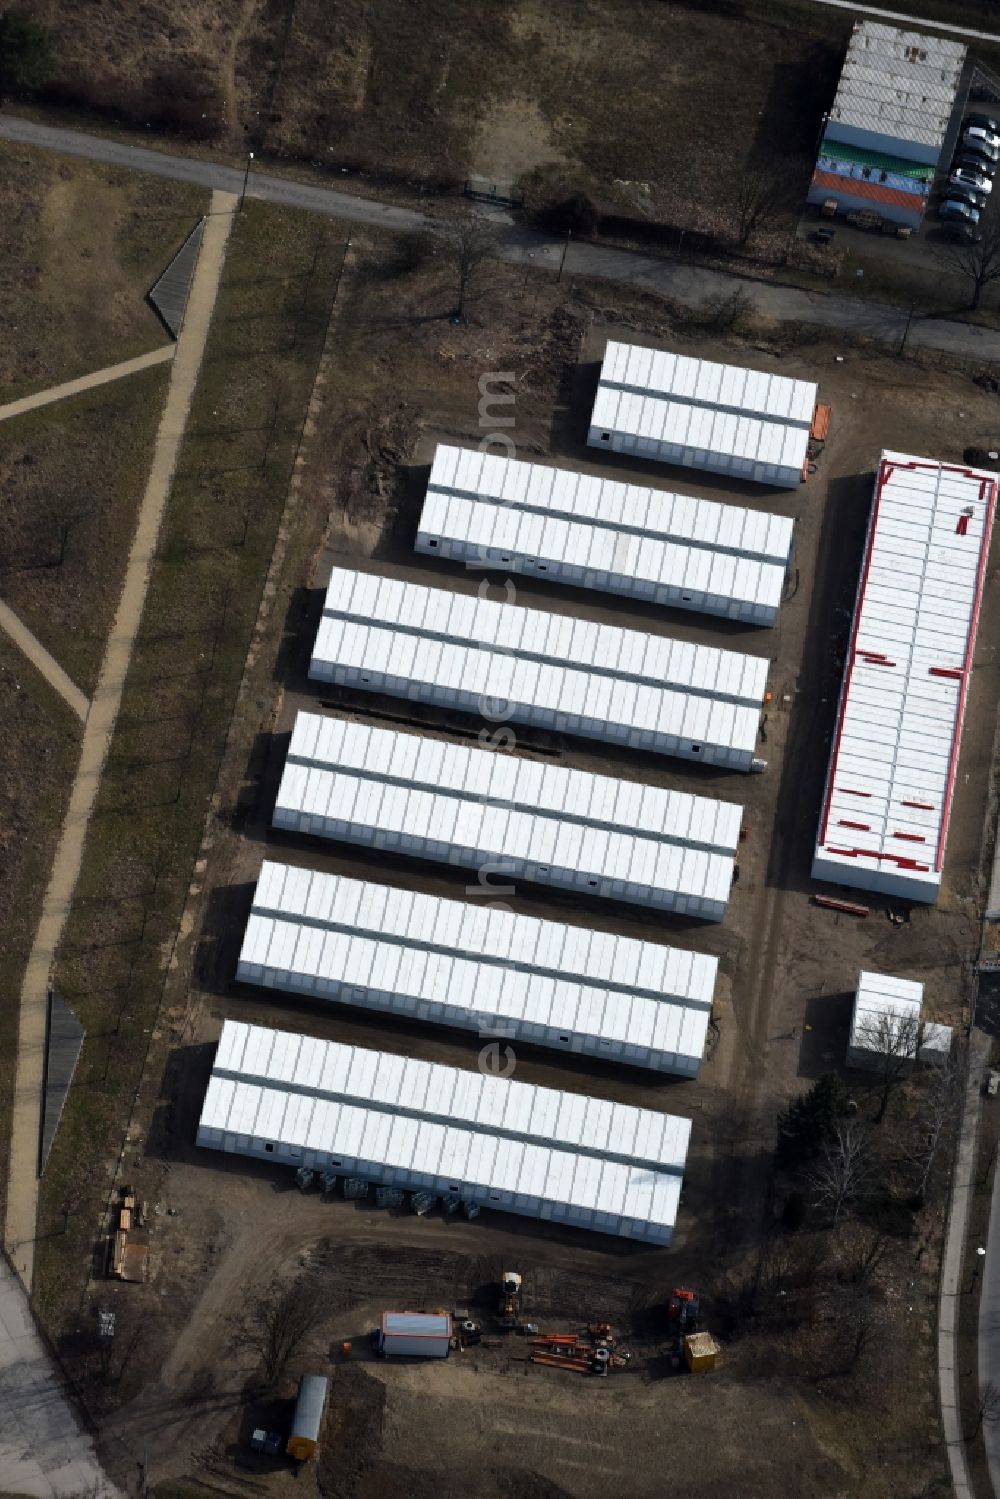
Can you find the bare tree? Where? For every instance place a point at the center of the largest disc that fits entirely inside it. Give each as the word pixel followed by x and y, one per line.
pixel 977 263
pixel 274 1324
pixel 865 1251
pixel 840 1175
pixel 891 1042
pixel 759 197
pixel 987 1408
pixel 468 240
pixel 937 1115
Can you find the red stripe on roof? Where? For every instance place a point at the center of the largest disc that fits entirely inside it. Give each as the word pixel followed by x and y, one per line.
pixel 861 187
pixel 911 837
pixel 987 493
pixel 862 827
pixel 946 671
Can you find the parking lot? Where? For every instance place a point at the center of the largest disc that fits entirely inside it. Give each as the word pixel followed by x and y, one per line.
pixel 919 252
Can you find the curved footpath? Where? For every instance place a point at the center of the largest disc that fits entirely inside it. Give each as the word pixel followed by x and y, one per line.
pixel 692 286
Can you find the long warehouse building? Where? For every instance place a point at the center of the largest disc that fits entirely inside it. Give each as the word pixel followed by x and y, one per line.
pixel 507 1145
pixel 490 971
pixel 719 417
pixel 887 802
pixel 433 800
pixel 590 532
pixel 555 671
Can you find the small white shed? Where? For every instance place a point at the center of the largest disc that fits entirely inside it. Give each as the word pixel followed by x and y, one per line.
pixel 745 423
pixel 886 1020
pixel 935 1043
pixel 415 1335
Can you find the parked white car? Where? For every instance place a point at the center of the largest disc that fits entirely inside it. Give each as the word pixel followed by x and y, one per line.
pixel 966 177
pixel 982 141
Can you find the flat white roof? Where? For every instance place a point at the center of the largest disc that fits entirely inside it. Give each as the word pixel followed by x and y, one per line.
pixel 898 83
pixel 422 1117
pixel 906 680
pixel 720 409
pixel 493 962
pixel 882 1002
pixel 497 803
pixel 579 520
pixel 532 659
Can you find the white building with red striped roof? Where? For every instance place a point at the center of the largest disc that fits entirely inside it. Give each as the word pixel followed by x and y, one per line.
pixel 888 796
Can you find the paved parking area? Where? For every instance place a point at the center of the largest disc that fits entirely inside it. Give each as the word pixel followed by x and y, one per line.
pixel 43 1449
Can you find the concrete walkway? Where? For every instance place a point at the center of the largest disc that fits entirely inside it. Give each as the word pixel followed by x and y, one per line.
pixel 40 659
pixel 43 1450
pixel 949 1305
pixel 915 23
pixel 86 382
pixel 22 1196
pixel 691 286
pixel 989 1330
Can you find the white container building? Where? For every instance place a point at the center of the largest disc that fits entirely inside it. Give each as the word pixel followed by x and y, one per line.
pixel 894 760
pixel 487 970
pixel 935 1043
pixel 415 1335
pixel 590 532
pixel 555 671
pixel 518 818
pixel 889 122
pixel 417 1125
pixel 885 1021
pixel 719 417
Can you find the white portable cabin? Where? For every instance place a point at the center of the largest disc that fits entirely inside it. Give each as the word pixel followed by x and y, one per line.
pixel 671 549
pixel 513 1146
pixel 935 1043
pixel 719 417
pixel 555 671
pixel 488 970
pixel 415 1335
pixel 510 817
pixel 894 759
pixel 885 1021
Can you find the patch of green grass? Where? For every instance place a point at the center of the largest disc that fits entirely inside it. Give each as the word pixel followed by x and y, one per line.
pixel 72 476
pixel 263 350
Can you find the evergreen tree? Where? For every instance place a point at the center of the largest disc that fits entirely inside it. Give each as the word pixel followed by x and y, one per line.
pixel 809 1121
pixel 25 53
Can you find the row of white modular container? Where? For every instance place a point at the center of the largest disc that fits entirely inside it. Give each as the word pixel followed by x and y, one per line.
pixel 499 974
pixel 554 671
pixel 401 1122
pixel 544 823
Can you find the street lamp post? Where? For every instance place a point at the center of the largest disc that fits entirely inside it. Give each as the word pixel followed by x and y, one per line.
pixel 246 179
pixel 564 254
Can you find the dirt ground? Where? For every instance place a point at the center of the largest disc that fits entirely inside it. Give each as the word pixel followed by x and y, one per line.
pixel 595 94
pixel 402 377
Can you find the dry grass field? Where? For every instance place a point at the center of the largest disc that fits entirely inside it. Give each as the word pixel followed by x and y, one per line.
pixel 650 106
pixel 80 246
pixel 41 740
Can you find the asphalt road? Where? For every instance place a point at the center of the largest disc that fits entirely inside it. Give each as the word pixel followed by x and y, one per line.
pixel 44 1452
pixel 691 286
